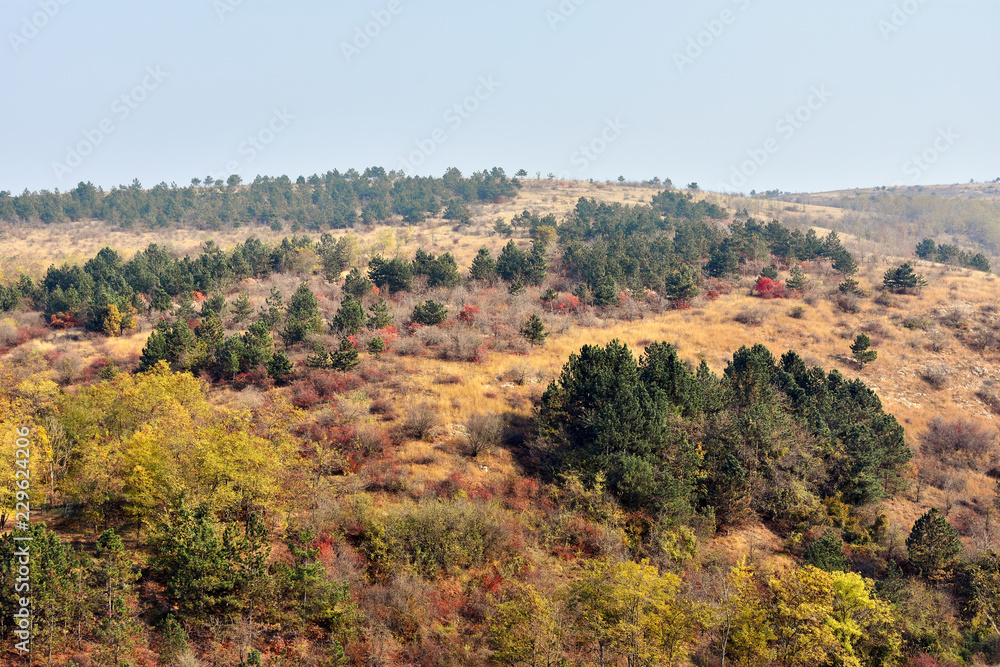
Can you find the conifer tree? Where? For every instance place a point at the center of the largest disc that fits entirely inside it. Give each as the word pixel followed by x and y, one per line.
pixel 350 317
pixel 242 308
pixel 346 358
pixel 357 284
pixel 933 545
pixel 379 316
pixel 534 331
pixel 484 267
pixel 861 352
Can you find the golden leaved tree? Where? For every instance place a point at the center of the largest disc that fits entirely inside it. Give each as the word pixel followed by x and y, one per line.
pixel 144 442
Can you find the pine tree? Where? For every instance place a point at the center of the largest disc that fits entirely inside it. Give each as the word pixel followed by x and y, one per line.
pixel 379 316
pixel 302 316
pixel 274 308
pixel 484 267
pixel 797 279
pixel 933 545
pixel 350 317
pixel 346 358
pixel 850 286
pixel 161 300
pixel 769 272
pixel 534 331
pixel 185 306
pixel 279 367
pixel 116 576
pixel 242 308
pixel 861 352
pixel 902 279
pixel 376 346
pixel 680 286
pixel 357 284
pixel 319 358
pixel 429 313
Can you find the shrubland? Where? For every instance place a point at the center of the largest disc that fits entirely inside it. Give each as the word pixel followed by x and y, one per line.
pixel 631 425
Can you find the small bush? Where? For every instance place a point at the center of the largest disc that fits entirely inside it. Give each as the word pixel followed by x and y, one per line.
pixel 752 317
pixel 484 432
pixel 989 399
pixel 797 313
pixel 421 421
pixel 383 409
pixel 848 303
pixel 960 442
pixel 936 376
pixel 917 323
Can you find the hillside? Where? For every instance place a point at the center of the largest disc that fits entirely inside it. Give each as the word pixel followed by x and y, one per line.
pixel 420 547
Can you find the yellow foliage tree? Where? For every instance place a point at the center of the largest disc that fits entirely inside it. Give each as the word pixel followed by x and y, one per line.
pixel 112 324
pixel 524 629
pixel 23 404
pixel 631 611
pixel 144 442
pixel 747 628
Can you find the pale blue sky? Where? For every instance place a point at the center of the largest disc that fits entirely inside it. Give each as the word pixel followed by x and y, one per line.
pixel 619 77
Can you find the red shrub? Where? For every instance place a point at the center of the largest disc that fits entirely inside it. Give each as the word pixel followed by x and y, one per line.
pixel 389 335
pixel 769 289
pixel 566 303
pixel 468 314
pixel 482 354
pixel 712 295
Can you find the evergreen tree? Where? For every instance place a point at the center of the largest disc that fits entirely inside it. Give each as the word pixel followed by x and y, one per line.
pixel 116 578
pixel 214 304
pixel 345 358
pixel 902 279
pixel 274 308
pixel 350 317
pixel 861 352
pixel 769 272
pixel 379 316
pixel 933 545
pixel 161 300
pixel 376 346
pixel 429 313
pixel 927 249
pixel 185 306
pixel 357 284
pixel 257 346
pixel 723 262
pixel 242 308
pixel 534 331
pixel 680 286
pixel 395 275
pixel 797 279
pixel 279 367
pixel 484 267
pixel 850 286
pixel 302 316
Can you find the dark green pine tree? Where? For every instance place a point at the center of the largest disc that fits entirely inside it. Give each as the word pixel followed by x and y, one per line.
pixel 927 249
pixel 274 308
pixel 722 262
pixel 161 301
pixel 429 313
pixel 933 545
pixel 357 284
pixel 484 267
pixel 902 279
pixel 376 346
pixel 116 576
pixel 797 279
pixel 257 346
pixel 379 316
pixel 534 331
pixel 769 272
pixel 345 358
pixel 301 316
pixel 861 351
pixel 680 286
pixel 350 317
pixel 279 368
pixel 319 358
pixel 241 308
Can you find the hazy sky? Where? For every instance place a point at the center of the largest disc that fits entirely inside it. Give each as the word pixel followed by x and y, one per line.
pixel 733 94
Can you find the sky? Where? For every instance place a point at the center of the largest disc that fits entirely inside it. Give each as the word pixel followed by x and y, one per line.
pixel 735 95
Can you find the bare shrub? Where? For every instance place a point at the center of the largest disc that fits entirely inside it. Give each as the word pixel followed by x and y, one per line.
pixel 421 421
pixel 752 317
pixel 8 333
pixel 461 346
pixel 847 303
pixel 519 374
pixel 484 432
pixel 937 376
pixel 990 399
pixel 960 443
pixel 918 323
pixel 885 299
pixel 936 342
